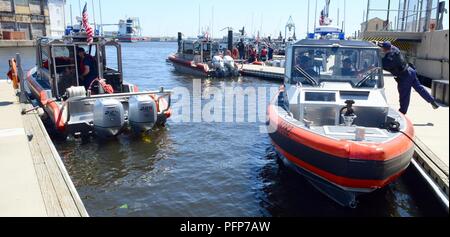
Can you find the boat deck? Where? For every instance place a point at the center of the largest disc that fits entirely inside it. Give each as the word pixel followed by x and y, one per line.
pixel 373 135
pixel 35 182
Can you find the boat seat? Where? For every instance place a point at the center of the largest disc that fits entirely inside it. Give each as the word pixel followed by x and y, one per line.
pixel 114 79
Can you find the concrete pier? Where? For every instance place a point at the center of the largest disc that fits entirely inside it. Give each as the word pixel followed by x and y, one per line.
pixel 34 181
pixel 432 138
pixel 17 43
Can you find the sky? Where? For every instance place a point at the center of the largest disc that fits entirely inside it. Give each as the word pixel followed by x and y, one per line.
pixel 167 17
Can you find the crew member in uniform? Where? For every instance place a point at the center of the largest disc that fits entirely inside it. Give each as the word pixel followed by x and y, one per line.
pixel 241 48
pixel 88 68
pixel 405 75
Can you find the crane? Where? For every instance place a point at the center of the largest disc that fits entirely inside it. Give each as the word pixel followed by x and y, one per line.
pixel 290 27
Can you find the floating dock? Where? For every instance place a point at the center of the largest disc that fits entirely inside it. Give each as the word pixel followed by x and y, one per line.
pixel 266 72
pixel 35 182
pixel 431 158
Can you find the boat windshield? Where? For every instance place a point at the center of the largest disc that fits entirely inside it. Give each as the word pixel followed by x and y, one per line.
pixel 314 65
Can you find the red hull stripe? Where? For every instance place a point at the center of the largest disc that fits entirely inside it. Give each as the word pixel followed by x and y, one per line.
pixel 51 106
pixel 342 148
pixel 199 66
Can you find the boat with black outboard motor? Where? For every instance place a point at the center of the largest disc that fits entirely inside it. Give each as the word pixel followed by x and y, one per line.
pixel 202 57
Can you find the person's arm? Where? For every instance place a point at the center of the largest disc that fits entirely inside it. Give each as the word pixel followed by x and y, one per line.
pixel 87 69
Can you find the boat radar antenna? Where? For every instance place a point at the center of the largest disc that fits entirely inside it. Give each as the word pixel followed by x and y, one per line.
pixel 242 31
pixel 325 30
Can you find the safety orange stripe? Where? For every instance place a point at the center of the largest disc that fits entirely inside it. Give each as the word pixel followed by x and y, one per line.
pixel 344 149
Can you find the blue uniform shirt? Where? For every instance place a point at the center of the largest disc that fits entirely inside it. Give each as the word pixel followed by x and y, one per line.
pixel 394 62
pixel 93 70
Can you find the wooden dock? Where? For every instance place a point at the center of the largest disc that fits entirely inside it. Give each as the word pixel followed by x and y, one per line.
pixel 266 72
pixel 33 179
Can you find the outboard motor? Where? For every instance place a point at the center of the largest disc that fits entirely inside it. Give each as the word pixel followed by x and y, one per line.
pixel 231 66
pixel 142 113
pixel 229 62
pixel 219 66
pixel 108 118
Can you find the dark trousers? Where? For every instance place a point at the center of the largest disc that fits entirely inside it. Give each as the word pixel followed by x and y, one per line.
pixel 242 54
pixel 407 81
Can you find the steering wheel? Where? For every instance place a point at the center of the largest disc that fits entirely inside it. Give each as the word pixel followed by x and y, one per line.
pixel 367 76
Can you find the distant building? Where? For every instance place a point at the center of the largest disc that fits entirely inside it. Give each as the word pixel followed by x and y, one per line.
pixel 57 17
pixel 374 24
pixel 24 19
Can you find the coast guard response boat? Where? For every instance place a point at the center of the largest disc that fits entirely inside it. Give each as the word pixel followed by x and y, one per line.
pixel 106 108
pixel 331 121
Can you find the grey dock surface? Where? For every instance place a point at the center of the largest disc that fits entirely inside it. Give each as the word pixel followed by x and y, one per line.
pixel 266 72
pixel 432 138
pixel 33 179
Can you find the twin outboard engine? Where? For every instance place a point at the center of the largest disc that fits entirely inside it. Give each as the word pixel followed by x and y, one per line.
pixel 219 66
pixel 218 62
pixel 108 118
pixel 230 66
pixel 229 62
pixel 142 113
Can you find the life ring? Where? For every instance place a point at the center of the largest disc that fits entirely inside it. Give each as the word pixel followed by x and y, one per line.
pixel 12 73
pixel 161 102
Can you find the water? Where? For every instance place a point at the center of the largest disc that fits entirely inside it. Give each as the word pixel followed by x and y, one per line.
pixel 28 56
pixel 208 169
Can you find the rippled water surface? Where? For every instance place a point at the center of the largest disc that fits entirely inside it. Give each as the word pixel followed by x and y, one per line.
pixel 208 169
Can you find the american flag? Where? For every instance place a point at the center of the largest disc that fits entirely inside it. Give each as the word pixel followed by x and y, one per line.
pixel 324 20
pixel 87 27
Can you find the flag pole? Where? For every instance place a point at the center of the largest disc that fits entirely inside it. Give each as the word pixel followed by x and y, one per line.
pixel 315 18
pixel 79 6
pixel 93 14
pixel 307 24
pixel 101 16
pixel 345 15
pixel 71 16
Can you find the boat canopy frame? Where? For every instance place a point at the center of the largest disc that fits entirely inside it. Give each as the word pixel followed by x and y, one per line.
pixel 47 65
pixel 329 44
pixel 205 49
